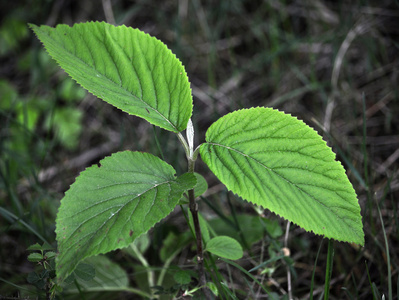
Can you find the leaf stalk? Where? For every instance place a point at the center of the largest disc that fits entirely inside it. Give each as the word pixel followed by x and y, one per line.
pixel 191 158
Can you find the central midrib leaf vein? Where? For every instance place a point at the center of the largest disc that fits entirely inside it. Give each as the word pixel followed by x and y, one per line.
pixel 114 83
pixel 92 235
pixel 279 175
pixel 109 199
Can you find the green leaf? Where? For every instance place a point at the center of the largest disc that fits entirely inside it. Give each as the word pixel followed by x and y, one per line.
pixel 8 94
pixel 35 247
pixel 108 207
pixel 278 162
pixel 213 288
pixel 50 255
pixel 36 279
pixel 173 243
pixel 69 92
pixel 251 228
pixel 142 243
pixel 225 246
pixel 33 277
pixel 85 272
pixel 67 125
pixel 203 226
pixel 46 247
pixel 35 257
pixel 273 228
pixel 125 67
pixel 108 276
pixel 182 277
pixel 200 188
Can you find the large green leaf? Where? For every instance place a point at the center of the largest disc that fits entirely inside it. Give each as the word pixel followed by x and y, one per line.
pixel 274 160
pixel 109 206
pixel 108 277
pixel 125 67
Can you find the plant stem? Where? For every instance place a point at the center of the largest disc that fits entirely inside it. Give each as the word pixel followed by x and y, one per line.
pixel 200 258
pixel 330 257
pixel 200 255
pixel 145 264
pixel 313 272
pixel 191 158
pixel 287 266
pixel 390 295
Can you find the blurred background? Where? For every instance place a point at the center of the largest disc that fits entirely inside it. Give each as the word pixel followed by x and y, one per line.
pixel 332 64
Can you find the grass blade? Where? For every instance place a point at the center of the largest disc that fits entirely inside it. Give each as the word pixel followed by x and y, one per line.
pixel 313 273
pixel 330 258
pixel 387 255
pixel 30 228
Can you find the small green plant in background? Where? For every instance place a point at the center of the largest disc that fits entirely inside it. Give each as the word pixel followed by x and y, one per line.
pixel 44 279
pixel 265 156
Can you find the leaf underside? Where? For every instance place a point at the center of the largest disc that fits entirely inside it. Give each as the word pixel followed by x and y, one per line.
pixel 110 206
pixel 125 67
pixel 278 162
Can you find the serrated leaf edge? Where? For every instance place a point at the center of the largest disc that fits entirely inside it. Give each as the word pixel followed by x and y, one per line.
pixel 279 215
pixel 146 105
pixel 60 279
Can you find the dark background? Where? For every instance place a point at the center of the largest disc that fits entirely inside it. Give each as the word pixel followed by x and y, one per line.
pixel 333 64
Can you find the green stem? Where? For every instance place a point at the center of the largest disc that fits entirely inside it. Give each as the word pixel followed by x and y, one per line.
pixel 144 262
pixel 191 158
pixel 200 255
pixel 313 273
pixel 289 286
pixel 390 294
pixel 330 257
pixel 166 266
pixel 185 145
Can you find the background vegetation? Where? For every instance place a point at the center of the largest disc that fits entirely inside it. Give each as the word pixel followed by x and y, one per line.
pixel 333 64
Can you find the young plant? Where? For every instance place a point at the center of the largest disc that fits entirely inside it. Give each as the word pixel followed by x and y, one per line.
pixel 45 279
pixel 265 156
